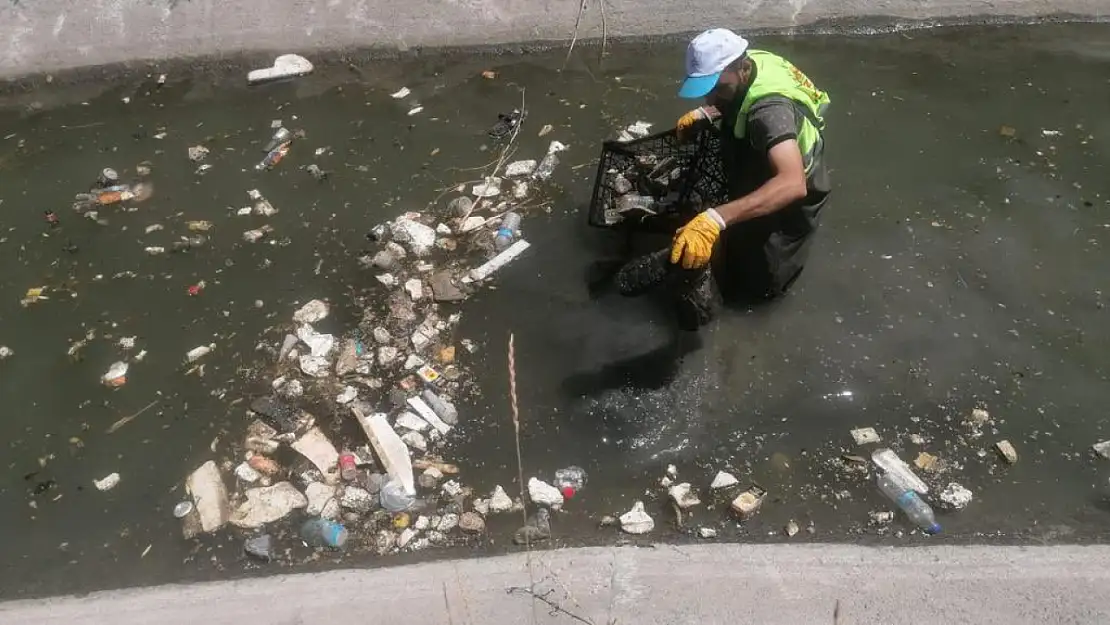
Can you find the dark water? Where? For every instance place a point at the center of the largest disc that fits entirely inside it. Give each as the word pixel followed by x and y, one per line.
pixel 956 267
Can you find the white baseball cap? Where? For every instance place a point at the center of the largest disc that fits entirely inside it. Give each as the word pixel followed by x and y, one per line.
pixel 706 57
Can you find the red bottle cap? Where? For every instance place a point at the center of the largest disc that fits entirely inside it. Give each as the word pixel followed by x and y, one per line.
pixel 194 290
pixel 568 492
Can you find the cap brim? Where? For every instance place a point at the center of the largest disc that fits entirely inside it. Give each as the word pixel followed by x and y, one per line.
pixel 698 86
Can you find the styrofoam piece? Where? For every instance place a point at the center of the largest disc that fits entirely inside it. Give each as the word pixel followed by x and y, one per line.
pixel 285 66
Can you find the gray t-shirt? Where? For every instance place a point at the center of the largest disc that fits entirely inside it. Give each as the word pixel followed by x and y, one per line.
pixel 775 119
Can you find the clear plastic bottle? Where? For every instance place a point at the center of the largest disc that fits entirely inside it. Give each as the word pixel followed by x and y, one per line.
pixel 510 224
pixel 570 480
pixel 898 470
pixel 546 167
pixel 324 533
pixel 909 502
pixel 394 497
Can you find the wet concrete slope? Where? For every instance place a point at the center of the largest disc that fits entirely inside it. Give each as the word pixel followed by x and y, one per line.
pixel 961 265
pixel 47 35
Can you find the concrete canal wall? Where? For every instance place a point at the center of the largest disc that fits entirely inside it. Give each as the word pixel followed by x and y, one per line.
pixel 50 35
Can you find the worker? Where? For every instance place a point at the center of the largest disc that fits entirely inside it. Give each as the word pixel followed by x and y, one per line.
pixel 772 142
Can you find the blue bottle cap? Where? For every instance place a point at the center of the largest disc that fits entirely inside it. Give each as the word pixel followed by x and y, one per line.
pixel 933 529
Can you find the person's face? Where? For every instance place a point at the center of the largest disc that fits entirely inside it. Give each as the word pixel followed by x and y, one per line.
pixel 728 85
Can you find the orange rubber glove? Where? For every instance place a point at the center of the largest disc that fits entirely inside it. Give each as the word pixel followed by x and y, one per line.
pixel 693 243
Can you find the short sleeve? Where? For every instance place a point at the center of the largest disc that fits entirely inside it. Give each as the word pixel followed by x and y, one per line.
pixel 771 121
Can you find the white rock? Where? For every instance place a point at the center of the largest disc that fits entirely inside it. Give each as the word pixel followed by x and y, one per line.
pixel 403 92
pixel 387 279
pixel 268 504
pixel 452 488
pixel 321 500
pixel 520 168
pixel 1102 449
pixel 443 229
pixel 420 340
pixel 955 496
pixel 448 523
pixel 6 352
pixel 865 436
pixel 412 422
pixel 320 345
pixel 472 223
pixel 672 471
pixel 723 480
pixel 386 354
pixel 481 506
pixel 418 237
pixel 413 362
pixel 291 389
pixel 285 66
pixel 357 499
pixel 707 532
pixel 314 366
pixel 245 473
pixel 315 446
pixel 107 483
pixel 405 537
pixel 500 501
pixel 666 481
pixel 348 395
pixel 520 189
pixel 683 495
pixel 636 521
pixel 415 289
pixel 544 494
pixel 422 523
pixel 206 487
pixel 638 129
pixel 381 335
pixel 415 440
pixel 311 312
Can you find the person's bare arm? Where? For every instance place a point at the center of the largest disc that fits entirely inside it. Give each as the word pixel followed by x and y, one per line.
pixel 786 186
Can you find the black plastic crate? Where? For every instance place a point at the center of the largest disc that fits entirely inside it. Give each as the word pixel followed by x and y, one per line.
pixel 669 178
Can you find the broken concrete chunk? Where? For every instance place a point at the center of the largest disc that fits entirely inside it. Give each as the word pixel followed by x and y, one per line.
pixel 882 517
pixel 348 357
pixel 415 440
pixel 206 487
pixel 747 503
pixel 311 312
pixel 791 528
pixel 472 522
pixel 500 501
pixel 314 366
pixel 520 168
pixel 1006 449
pixel 481 506
pixel 865 436
pixel 320 345
pixel 315 446
pixel 1102 449
pixel 723 480
pixel 387 354
pixel 544 494
pixel 980 416
pixel 358 499
pixel 683 495
pixel 246 473
pixel 389 447
pixel 955 496
pixel 412 422
pixel 107 483
pixel 347 395
pixel 636 520
pixel 444 409
pixel 425 411
pixel 415 289
pixel 416 236
pixel 268 504
pixel 321 501
pixel 707 532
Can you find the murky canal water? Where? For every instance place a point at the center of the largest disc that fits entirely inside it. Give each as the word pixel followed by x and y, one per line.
pixel 959 265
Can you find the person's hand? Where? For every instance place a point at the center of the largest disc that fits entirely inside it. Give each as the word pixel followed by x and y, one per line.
pixel 691 119
pixel 693 243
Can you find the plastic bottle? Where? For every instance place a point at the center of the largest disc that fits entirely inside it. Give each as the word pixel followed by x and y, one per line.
pixel 281 135
pixel 546 167
pixel 274 156
pixel 898 470
pixel 394 497
pixel 570 480
pixel 510 224
pixel 324 533
pixel 911 503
